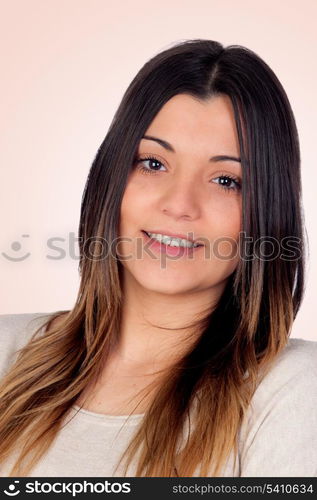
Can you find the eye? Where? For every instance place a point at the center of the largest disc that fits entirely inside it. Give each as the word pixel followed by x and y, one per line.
pixel 227 182
pixel 154 164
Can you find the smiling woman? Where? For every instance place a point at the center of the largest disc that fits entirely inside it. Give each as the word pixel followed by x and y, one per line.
pixel 176 355
pixel 186 196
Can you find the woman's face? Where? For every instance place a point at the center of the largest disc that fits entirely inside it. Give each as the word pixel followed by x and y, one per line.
pixel 184 190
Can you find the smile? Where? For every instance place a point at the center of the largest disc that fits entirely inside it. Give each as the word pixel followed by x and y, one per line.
pixel 172 241
pixel 171 245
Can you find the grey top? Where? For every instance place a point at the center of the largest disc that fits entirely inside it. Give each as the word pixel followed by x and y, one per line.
pixel 277 439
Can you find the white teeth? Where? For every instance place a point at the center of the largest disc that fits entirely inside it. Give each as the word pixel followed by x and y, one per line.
pixel 173 242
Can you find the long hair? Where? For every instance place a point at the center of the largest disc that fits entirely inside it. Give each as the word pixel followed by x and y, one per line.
pixel 239 339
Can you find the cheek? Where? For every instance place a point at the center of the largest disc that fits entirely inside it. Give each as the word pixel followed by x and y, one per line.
pixel 225 226
pixel 135 205
pixel 129 206
pixel 225 217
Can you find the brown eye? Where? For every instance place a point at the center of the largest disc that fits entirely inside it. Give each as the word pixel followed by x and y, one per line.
pixel 228 183
pixel 154 164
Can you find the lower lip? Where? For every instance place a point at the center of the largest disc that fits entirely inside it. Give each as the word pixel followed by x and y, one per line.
pixel 172 251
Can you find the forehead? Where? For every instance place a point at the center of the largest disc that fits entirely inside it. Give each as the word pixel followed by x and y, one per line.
pixel 188 122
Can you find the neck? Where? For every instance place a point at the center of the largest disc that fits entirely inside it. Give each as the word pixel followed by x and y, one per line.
pixel 145 337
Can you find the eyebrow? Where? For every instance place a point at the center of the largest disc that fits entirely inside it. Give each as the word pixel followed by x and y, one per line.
pixel 169 147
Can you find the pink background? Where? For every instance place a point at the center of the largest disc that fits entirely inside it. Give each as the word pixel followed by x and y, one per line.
pixel 65 65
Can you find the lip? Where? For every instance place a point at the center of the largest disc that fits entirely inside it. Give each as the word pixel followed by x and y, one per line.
pixel 172 235
pixel 171 251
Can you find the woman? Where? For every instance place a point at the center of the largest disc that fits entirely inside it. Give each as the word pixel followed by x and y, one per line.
pixel 176 356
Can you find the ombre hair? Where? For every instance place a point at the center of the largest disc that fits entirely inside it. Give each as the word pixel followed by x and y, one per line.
pixel 238 340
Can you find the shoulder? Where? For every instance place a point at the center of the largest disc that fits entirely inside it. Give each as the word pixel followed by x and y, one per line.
pixel 297 354
pixel 292 365
pixel 15 332
pixel 282 418
pixel 294 370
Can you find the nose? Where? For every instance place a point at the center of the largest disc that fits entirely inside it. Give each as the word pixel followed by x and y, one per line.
pixel 181 198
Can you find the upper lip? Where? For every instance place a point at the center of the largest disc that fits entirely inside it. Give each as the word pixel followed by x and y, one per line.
pixel 174 235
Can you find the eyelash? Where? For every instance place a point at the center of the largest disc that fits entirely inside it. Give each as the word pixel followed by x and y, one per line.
pixel 145 170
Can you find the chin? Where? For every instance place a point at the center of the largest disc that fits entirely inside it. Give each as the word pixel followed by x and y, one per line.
pixel 166 287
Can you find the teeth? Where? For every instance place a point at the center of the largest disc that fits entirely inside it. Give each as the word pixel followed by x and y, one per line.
pixel 173 242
